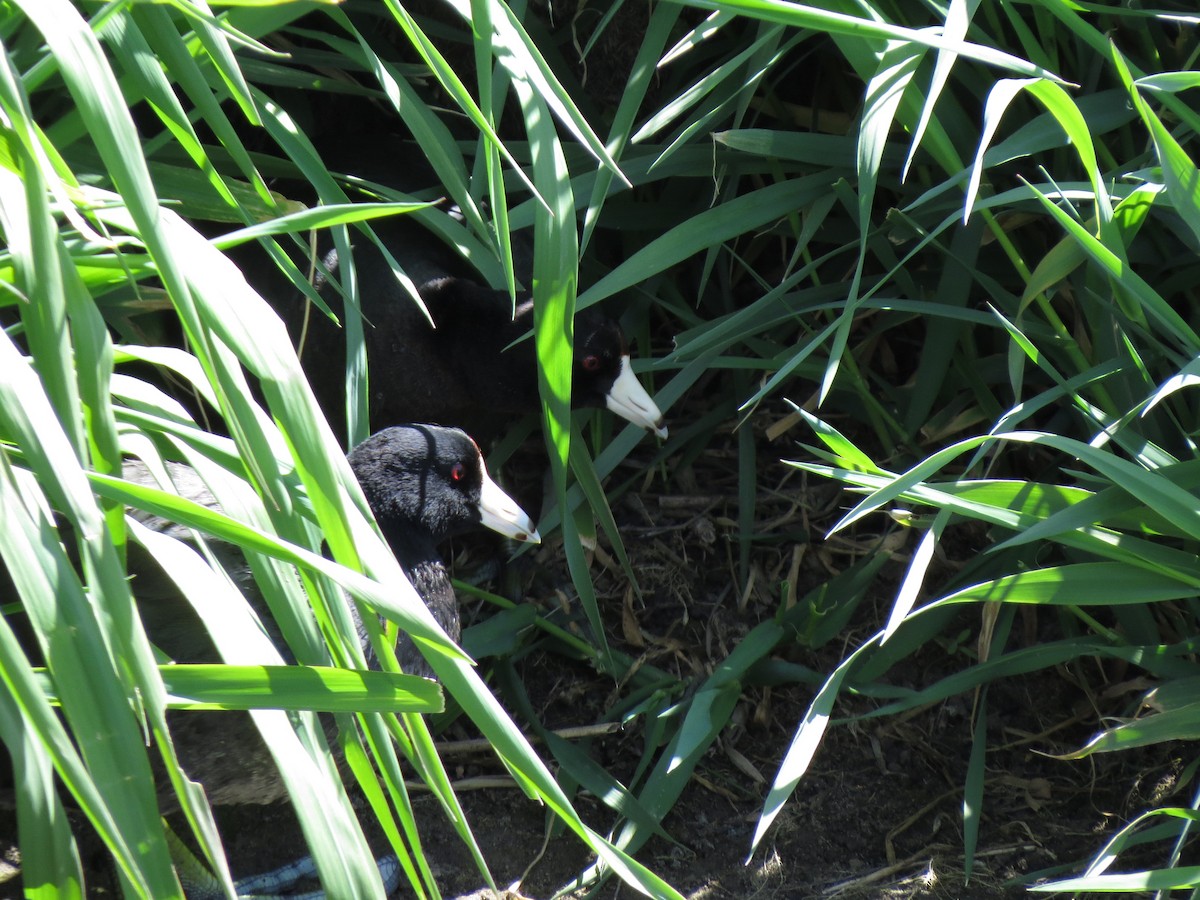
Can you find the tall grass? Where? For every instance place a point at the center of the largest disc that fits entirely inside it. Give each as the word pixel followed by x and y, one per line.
pixel 961 237
pixel 96 213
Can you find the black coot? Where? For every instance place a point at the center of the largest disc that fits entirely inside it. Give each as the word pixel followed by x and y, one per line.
pixel 426 483
pixel 466 372
pixel 423 483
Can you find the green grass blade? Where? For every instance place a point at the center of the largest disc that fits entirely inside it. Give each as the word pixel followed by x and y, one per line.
pixel 826 22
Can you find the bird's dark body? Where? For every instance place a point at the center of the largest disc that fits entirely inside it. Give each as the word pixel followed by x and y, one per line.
pixel 476 370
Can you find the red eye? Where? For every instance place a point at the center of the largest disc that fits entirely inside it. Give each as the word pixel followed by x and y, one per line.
pixel 458 472
pixel 591 363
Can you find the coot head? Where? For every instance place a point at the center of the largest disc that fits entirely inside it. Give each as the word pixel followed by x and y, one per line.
pixel 426 482
pixel 423 483
pixel 479 325
pixel 603 376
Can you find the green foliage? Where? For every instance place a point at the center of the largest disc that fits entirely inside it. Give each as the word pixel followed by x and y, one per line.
pixel 964 238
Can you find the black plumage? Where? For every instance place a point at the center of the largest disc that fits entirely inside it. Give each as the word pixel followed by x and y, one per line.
pixel 419 505
pixel 472 370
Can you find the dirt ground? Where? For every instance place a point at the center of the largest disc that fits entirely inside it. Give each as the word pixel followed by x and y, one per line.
pixel 879 814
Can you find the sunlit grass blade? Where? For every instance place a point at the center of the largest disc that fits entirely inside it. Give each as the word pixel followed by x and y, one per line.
pixel 1180 877
pixel 828 22
pixel 93 701
pixel 297 687
pixel 1153 305
pixel 958 18
pixel 896 67
pixel 455 88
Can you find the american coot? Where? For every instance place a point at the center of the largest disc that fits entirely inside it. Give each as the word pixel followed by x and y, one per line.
pixel 423 483
pixel 466 372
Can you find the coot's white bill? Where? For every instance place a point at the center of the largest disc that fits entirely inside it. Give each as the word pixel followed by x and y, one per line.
pixel 500 512
pixel 629 400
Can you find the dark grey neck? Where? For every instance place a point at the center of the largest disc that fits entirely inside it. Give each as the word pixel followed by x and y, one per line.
pixel 419 559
